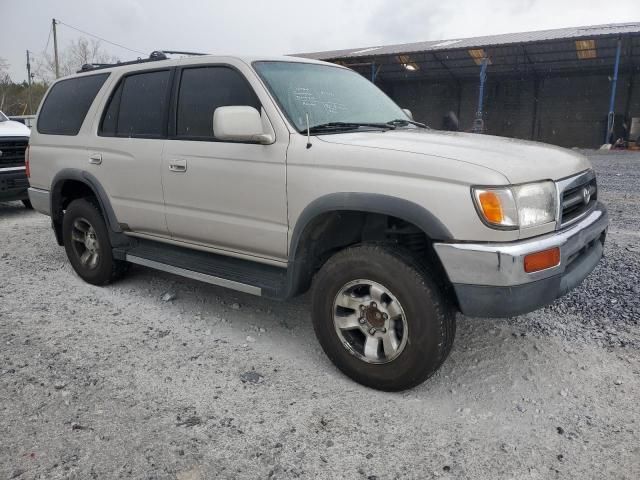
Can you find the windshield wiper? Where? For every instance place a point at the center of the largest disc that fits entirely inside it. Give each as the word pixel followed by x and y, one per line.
pixel 403 122
pixel 337 126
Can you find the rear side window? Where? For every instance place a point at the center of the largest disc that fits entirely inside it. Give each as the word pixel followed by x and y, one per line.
pixel 138 106
pixel 67 104
pixel 202 90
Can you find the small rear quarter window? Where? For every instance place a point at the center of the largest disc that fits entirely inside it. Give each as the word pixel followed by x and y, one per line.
pixel 67 104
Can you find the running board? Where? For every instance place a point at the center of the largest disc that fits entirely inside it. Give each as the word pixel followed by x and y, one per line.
pixel 238 274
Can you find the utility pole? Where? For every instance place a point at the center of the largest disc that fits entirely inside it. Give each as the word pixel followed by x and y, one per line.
pixel 55 47
pixel 29 80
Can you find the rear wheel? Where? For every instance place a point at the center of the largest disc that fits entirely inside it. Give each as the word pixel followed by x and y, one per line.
pixel 86 241
pixel 381 318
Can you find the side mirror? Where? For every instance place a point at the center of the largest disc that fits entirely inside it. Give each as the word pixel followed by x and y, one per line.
pixel 239 124
pixel 408 113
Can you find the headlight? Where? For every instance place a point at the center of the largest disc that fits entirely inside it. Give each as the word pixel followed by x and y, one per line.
pixel 536 203
pixel 518 206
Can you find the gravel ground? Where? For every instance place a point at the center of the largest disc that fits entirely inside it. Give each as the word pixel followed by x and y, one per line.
pixel 127 382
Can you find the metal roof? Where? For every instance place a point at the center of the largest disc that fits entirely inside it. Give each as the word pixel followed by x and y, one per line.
pixel 479 42
pixel 547 50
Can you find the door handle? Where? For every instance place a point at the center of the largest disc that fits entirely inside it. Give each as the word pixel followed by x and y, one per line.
pixel 95 159
pixel 178 166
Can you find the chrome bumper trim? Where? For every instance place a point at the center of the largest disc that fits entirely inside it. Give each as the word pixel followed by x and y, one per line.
pixel 40 200
pixel 502 264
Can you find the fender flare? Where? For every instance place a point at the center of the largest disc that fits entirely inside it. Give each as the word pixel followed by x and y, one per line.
pixel 90 181
pixel 362 202
pixel 116 235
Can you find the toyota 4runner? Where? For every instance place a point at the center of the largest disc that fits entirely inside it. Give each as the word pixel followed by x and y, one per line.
pixel 272 175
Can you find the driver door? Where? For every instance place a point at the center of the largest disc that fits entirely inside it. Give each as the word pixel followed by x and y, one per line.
pixel 230 196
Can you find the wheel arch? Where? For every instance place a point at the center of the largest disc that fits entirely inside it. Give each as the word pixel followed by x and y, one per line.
pixel 312 217
pixel 81 183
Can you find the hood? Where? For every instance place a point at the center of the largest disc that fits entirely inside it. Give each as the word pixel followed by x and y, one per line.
pixel 520 161
pixel 14 129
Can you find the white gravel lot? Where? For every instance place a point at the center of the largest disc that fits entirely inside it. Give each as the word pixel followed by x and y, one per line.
pixel 114 382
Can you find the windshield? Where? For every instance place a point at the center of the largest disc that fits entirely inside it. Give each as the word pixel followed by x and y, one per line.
pixel 329 95
pixel 3 117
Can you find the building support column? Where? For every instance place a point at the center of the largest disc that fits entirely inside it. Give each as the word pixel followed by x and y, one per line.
pixel 612 101
pixel 478 123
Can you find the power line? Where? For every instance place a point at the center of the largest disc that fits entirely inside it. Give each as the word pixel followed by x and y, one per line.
pixel 48 39
pixel 100 38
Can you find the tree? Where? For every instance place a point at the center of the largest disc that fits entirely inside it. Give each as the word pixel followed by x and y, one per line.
pixel 80 52
pixel 4 66
pixel 5 81
pixel 14 97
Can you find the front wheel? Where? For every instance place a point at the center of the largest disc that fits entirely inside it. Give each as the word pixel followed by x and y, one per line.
pixel 86 241
pixel 381 318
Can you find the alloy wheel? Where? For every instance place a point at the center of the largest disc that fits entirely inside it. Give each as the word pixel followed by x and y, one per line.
pixel 370 321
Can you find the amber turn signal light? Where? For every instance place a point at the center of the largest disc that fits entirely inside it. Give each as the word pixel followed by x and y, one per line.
pixel 491 207
pixel 535 262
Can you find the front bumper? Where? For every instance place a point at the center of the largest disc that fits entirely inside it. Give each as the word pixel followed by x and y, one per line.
pixel 489 278
pixel 13 184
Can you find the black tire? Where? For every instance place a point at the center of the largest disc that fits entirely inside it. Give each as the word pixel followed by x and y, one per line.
pixel 27 204
pixel 105 268
pixel 430 316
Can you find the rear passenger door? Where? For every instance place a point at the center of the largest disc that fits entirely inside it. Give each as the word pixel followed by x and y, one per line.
pixel 127 152
pixel 227 195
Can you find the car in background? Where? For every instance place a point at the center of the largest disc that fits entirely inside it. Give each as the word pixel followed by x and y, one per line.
pixel 27 120
pixel 14 139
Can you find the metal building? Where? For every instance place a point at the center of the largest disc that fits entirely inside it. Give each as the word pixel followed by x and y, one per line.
pixel 573 87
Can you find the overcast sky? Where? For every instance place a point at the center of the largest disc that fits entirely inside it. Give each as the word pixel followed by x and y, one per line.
pixel 282 26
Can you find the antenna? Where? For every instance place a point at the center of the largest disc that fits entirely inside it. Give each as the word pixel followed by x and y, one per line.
pixel 308 132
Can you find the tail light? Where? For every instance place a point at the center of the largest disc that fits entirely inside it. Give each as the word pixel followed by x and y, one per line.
pixel 26 162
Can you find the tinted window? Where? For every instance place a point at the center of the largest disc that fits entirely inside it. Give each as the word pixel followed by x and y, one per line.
pixel 138 106
pixel 67 104
pixel 204 89
pixel 109 120
pixel 143 104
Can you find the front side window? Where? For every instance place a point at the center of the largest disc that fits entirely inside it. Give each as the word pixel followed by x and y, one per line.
pixel 137 108
pixel 202 90
pixel 326 94
pixel 67 104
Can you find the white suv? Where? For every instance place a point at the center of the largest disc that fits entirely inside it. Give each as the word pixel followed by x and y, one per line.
pixel 269 175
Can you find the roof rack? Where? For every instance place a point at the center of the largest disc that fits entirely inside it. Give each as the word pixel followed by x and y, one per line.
pixel 155 56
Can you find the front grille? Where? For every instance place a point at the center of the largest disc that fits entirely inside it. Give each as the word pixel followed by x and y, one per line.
pixel 12 149
pixel 578 200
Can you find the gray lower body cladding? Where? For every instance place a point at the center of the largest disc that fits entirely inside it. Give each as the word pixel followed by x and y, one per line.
pixel 501 301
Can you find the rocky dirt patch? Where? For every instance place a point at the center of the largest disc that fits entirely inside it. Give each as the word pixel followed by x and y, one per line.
pixel 125 382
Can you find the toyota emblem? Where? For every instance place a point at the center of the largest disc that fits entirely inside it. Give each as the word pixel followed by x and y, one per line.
pixel 586 195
